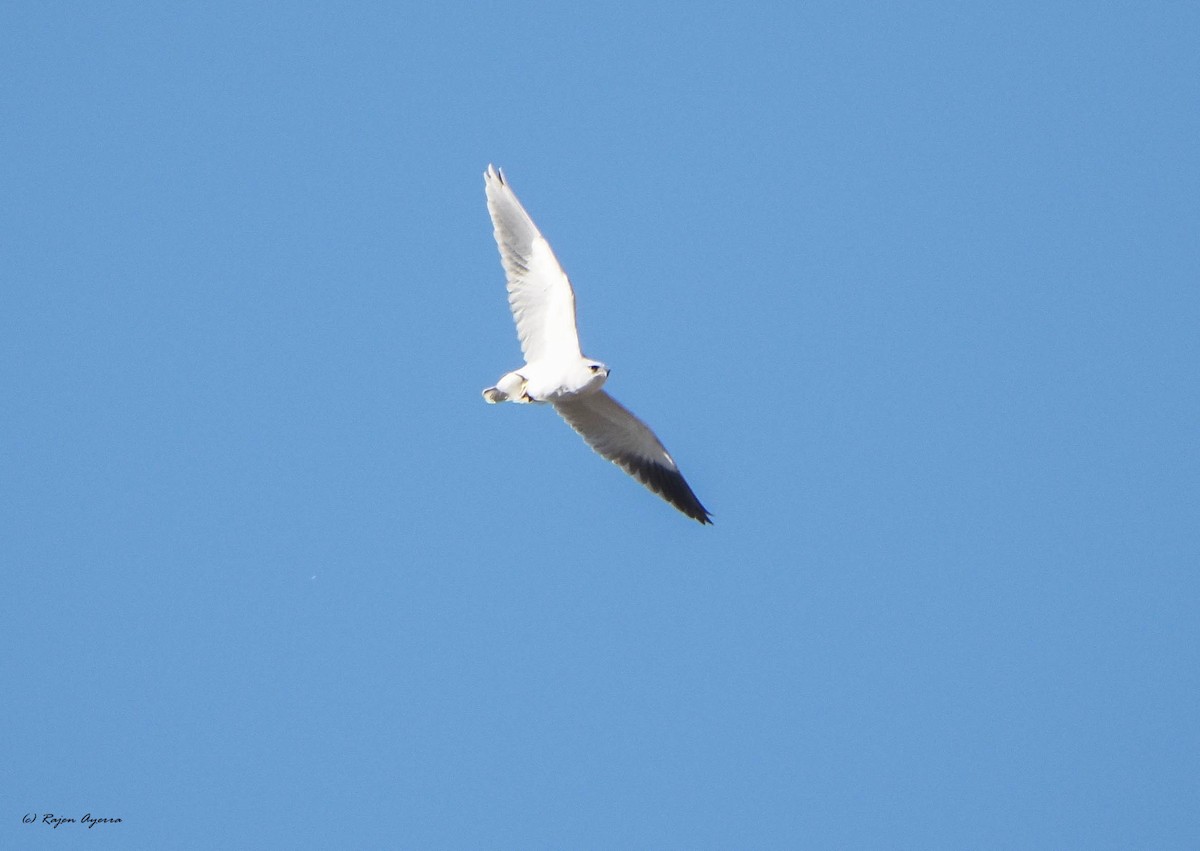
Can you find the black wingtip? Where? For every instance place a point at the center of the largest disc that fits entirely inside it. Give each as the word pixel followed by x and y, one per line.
pixel 702 516
pixel 670 485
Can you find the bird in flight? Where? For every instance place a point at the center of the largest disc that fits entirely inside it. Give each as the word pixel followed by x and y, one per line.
pixel 555 370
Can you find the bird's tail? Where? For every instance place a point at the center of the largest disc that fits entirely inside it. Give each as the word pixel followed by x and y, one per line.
pixel 510 387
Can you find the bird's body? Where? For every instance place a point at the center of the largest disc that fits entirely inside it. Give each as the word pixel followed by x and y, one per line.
pixel 548 381
pixel 555 370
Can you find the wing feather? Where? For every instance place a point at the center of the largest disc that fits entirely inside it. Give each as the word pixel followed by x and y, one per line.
pixel 539 293
pixel 625 440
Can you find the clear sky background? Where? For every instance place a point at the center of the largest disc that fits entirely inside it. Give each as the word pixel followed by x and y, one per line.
pixel 910 291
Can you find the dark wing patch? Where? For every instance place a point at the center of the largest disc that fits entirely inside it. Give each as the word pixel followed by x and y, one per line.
pixel 667 483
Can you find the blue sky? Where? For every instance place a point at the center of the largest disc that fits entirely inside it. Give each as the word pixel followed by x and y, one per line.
pixel 909 291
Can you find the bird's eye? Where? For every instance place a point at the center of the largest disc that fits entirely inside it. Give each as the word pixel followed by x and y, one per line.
pixel 595 368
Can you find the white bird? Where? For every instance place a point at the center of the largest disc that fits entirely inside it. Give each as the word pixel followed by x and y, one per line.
pixel 555 370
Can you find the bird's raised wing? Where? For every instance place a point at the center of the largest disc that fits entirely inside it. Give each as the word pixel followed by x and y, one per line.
pixel 626 441
pixel 539 293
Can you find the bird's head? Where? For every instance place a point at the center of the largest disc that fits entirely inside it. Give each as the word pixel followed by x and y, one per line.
pixel 598 373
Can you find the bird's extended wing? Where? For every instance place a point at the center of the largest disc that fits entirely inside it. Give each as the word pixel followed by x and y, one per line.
pixel 539 293
pixel 626 441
